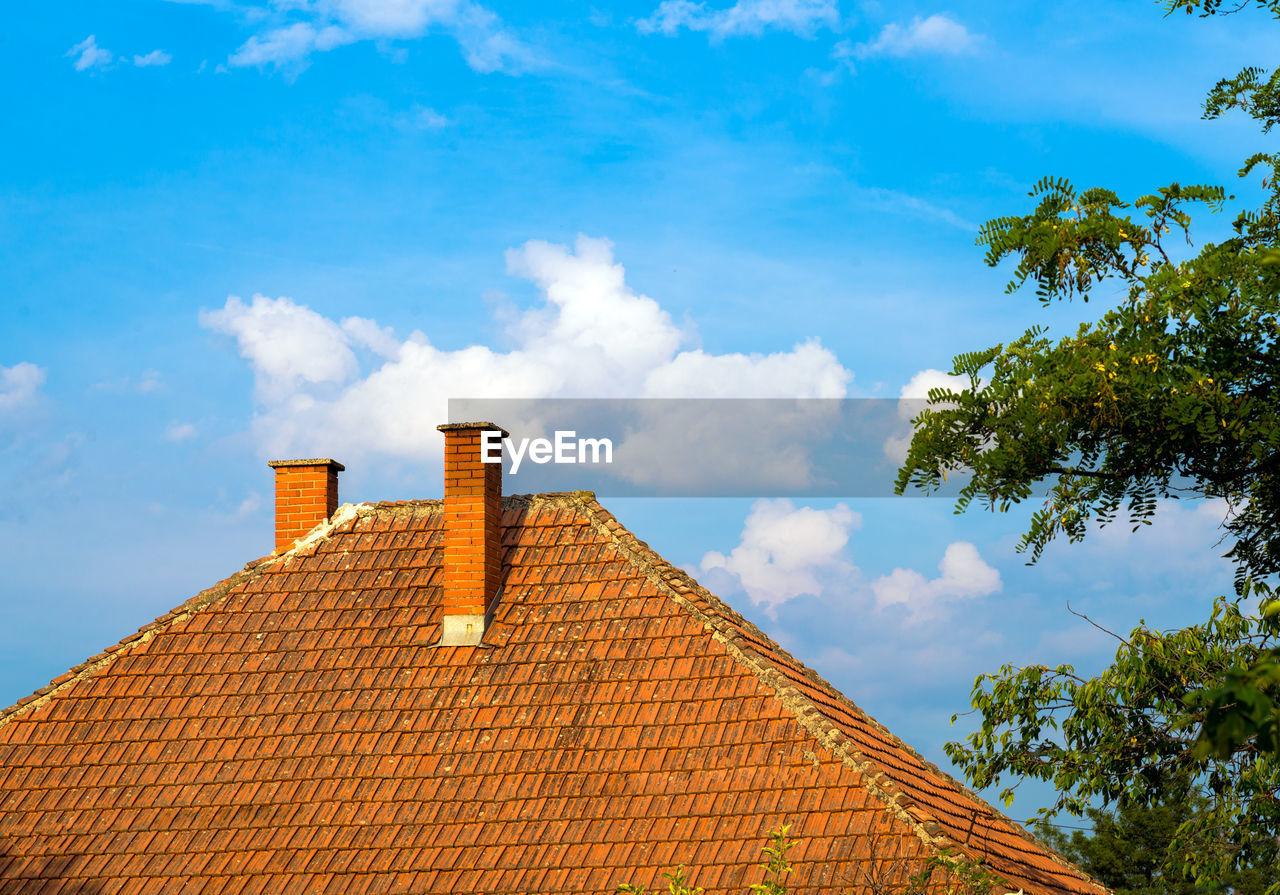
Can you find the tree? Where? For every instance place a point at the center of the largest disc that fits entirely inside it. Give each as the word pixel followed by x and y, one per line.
pixel 1173 392
pixel 1128 849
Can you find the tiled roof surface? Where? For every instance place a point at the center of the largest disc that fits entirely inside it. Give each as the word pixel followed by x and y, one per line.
pixel 292 730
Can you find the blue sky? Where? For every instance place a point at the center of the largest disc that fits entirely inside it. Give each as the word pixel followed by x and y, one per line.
pixel 430 196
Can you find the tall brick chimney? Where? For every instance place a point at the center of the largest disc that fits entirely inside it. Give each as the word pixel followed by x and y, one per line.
pixel 473 533
pixel 306 495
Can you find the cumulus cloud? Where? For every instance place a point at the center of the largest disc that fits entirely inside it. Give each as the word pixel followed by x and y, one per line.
pixel 19 385
pixel 592 317
pixel 745 18
pixel 964 574
pixel 936 35
pixel 288 43
pixel 591 336
pixel 154 58
pixel 808 370
pixel 911 400
pixel 289 345
pixel 785 550
pixel 925 381
pixel 88 55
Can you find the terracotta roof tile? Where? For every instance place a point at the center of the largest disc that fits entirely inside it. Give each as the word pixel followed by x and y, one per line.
pixel 293 729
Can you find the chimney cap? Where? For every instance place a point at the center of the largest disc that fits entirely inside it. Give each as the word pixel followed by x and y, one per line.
pixel 315 461
pixel 458 427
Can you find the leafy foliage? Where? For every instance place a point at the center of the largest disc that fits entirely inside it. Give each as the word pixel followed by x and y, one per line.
pixel 954 875
pixel 1171 392
pixel 1130 736
pixel 776 866
pixel 1128 851
pixel 959 876
pixel 1213 7
pixel 677 884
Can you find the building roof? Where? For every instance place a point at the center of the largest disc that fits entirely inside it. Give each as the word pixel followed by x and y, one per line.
pixel 293 729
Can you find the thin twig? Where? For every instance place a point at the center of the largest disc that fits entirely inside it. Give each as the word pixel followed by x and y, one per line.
pixel 1096 625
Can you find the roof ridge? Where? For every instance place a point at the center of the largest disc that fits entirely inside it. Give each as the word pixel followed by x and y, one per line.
pixel 667 576
pixel 412 502
pixel 680 584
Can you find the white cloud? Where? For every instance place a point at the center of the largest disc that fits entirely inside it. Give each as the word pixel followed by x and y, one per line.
pixel 89 55
pixel 938 35
pixel 912 399
pixel 746 17
pixel 591 315
pixel 486 44
pixel 484 41
pixel 179 432
pixel 154 58
pixel 784 551
pixel 366 333
pixel 19 384
pixel 591 336
pixel 807 370
pixel 393 17
pixel 925 381
pixel 793 572
pixel 964 575
pixel 289 44
pixel 288 344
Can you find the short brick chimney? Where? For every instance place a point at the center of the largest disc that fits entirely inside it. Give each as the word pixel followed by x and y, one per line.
pixel 306 495
pixel 472 532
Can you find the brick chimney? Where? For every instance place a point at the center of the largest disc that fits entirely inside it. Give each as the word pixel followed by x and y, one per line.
pixel 306 495
pixel 472 534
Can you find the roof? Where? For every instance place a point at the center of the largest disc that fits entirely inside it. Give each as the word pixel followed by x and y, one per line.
pixel 292 729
